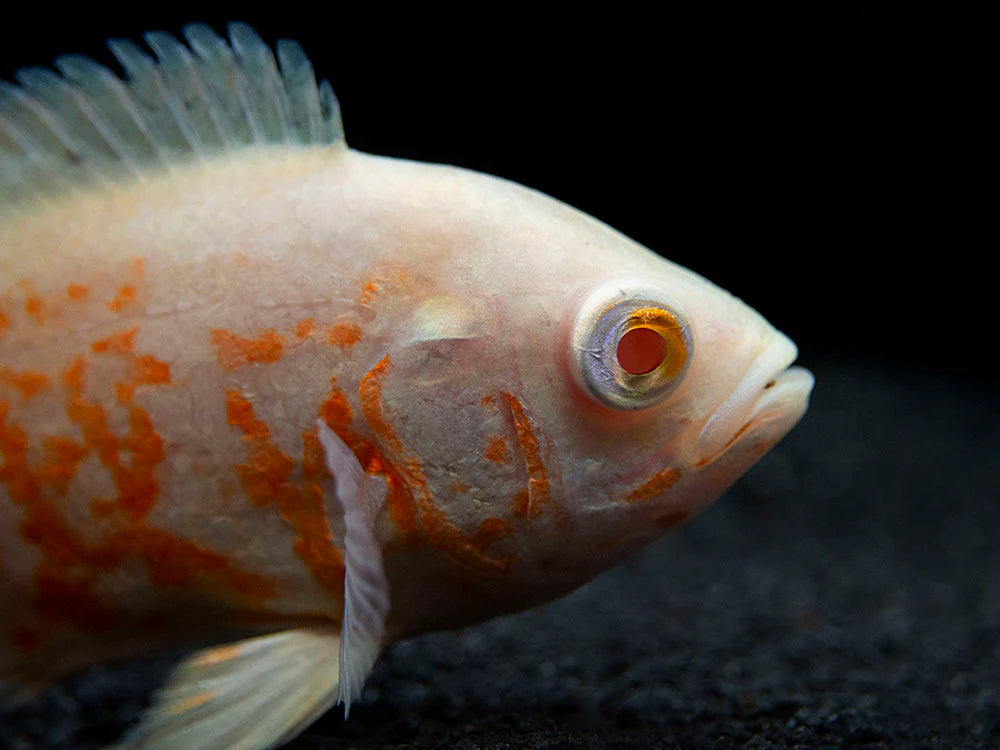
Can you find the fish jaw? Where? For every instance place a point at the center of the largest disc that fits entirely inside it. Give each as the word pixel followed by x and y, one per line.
pixel 769 400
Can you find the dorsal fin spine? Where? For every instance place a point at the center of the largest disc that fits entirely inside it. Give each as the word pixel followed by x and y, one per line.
pixel 180 73
pixel 221 63
pixel 48 98
pixel 259 62
pixel 44 115
pixel 86 124
pixel 109 91
pixel 142 74
pixel 296 68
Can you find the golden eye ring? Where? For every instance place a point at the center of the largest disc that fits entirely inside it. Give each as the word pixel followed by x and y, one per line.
pixel 630 352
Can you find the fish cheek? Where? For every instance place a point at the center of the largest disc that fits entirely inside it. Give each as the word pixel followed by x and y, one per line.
pixel 446 413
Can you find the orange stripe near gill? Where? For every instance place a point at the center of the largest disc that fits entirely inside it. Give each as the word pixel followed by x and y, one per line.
pixel 337 413
pixel 266 479
pixel 496 450
pixel 531 503
pixel 437 529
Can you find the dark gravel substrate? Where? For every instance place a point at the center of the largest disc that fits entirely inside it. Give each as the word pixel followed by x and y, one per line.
pixel 845 593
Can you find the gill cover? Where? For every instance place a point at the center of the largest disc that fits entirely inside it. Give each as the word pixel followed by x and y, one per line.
pixel 630 348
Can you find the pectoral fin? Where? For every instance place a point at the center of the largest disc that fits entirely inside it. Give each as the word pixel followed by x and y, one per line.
pixel 254 693
pixel 366 590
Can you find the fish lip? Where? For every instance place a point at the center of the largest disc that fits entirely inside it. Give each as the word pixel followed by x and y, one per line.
pixel 771 390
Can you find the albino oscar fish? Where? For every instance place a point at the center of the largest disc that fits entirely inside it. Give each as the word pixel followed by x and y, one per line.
pixel 290 403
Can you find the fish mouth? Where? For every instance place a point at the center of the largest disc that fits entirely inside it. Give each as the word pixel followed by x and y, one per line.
pixel 765 404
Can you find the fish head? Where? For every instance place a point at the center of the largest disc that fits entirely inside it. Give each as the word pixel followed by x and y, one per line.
pixel 574 394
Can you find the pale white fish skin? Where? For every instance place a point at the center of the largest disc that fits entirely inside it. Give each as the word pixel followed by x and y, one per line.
pixel 442 304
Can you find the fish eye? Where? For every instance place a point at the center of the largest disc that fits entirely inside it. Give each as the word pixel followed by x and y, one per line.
pixel 630 351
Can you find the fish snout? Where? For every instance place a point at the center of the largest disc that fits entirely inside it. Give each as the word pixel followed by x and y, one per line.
pixel 766 403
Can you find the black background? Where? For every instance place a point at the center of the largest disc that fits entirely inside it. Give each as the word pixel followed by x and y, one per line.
pixel 831 170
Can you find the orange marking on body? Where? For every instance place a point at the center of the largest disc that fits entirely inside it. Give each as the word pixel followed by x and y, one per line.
pixel 344 335
pixel 656 485
pixel 137 486
pixel 267 468
pixel 368 291
pixel 174 562
pixel 33 307
pixel 77 292
pixel 117 343
pixel 304 329
pixel 439 531
pixel 496 450
pixel 126 295
pixel 539 490
pixel 4 323
pixel 69 569
pixel 313 458
pixel 61 456
pixel 488 401
pixel 522 503
pixel 62 592
pixel 89 417
pixel 28 382
pixel 138 489
pixel 148 370
pixel 239 413
pixel 337 413
pixel 235 351
pixel 266 479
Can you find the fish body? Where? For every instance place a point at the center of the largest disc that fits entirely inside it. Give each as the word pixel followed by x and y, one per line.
pixel 275 388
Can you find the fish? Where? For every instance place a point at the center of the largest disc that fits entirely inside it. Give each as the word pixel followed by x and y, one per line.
pixel 286 403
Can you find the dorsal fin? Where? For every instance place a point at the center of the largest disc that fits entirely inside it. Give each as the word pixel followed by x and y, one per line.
pixel 58 132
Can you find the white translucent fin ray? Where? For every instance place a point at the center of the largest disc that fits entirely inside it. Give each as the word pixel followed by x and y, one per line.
pixel 228 80
pixel 194 100
pixel 265 86
pixel 366 590
pixel 304 110
pixel 197 106
pixel 91 134
pixel 111 96
pixel 156 99
pixel 255 693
